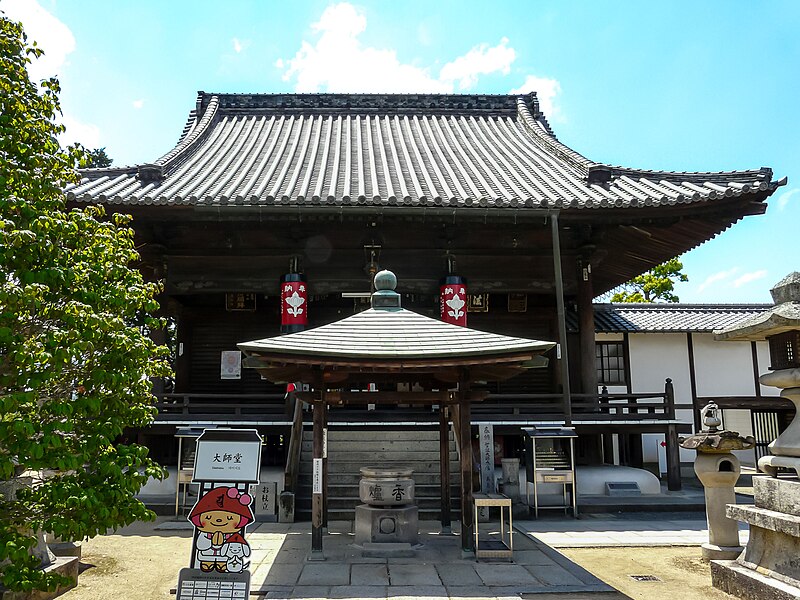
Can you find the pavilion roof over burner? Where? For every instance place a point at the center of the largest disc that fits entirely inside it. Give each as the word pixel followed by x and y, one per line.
pixel 387 338
pixel 451 151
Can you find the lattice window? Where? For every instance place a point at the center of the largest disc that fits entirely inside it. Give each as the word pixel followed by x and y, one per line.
pixel 784 350
pixel 610 363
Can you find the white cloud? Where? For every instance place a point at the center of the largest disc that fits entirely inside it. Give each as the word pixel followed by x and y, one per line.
pixel 748 277
pixel 481 60
pixel 50 34
pixel 783 199
pixel 240 46
pixel 137 104
pixel 337 61
pixel 717 277
pixel 57 42
pixel 546 90
pixel 84 133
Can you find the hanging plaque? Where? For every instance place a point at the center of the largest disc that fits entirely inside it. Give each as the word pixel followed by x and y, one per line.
pixel 477 303
pixel 240 301
pixel 517 302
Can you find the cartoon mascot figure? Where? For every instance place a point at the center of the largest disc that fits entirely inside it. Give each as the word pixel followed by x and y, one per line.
pixel 219 516
pixel 236 550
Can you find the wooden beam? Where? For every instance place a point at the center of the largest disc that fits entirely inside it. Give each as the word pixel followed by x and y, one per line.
pixel 318 495
pixel 586 328
pixel 673 460
pixel 444 469
pixel 270 360
pixel 465 433
pixel 562 323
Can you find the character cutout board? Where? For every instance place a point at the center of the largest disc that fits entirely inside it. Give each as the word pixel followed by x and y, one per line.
pixel 227 463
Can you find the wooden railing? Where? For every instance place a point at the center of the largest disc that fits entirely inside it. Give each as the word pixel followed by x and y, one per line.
pixel 501 407
pixel 232 407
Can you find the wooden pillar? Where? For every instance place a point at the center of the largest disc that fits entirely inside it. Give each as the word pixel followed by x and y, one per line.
pixel 444 469
pixel 673 460
pixel 636 457
pixel 586 328
pixel 693 382
pixel 562 323
pixel 319 493
pixel 608 448
pixel 325 471
pixel 465 434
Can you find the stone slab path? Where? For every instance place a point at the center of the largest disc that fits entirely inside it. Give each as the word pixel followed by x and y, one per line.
pixel 280 569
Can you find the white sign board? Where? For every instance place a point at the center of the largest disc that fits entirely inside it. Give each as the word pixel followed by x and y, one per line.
pixel 317 487
pixel 486 433
pixel 228 455
pixel 265 496
pixel 231 364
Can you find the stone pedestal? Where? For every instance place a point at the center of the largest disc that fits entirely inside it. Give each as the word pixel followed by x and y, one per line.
pixel 769 568
pixel 376 524
pixel 718 474
pixel 388 514
pixel 511 478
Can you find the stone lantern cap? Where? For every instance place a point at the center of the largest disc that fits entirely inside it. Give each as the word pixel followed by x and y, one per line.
pixel 783 317
pixel 713 441
pixel 717 441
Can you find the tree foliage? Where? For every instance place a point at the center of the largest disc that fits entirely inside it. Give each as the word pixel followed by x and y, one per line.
pixel 94 159
pixel 75 360
pixel 656 285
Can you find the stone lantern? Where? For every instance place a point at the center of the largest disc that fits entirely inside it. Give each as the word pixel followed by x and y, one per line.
pixel 718 470
pixel 769 566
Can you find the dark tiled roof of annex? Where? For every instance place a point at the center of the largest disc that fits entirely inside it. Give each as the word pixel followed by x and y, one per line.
pixel 481 151
pixel 669 318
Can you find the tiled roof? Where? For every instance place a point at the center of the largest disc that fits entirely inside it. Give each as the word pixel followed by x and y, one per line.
pixel 669 318
pixel 390 150
pixel 392 334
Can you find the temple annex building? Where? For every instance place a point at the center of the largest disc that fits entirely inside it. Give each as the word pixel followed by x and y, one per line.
pixel 273 212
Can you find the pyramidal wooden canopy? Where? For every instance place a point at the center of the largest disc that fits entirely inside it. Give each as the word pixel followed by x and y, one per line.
pixel 389 339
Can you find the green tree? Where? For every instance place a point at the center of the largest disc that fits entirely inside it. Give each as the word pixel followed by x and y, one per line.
pixel 75 360
pixel 656 285
pixel 94 159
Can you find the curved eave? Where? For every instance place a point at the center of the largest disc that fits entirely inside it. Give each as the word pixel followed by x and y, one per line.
pixel 782 318
pixel 392 339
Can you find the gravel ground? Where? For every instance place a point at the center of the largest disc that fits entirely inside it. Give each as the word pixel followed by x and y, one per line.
pixel 681 571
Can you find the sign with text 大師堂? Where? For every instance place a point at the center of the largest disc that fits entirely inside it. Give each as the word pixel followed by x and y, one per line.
pixel 228 455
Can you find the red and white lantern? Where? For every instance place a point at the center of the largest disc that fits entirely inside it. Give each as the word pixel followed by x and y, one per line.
pixel 453 300
pixel 294 303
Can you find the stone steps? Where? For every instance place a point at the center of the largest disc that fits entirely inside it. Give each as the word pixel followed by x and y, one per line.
pixel 351 449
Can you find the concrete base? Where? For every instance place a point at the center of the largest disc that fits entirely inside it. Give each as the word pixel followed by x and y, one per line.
pixel 714 552
pixel 769 567
pixel 387 550
pixel 66 549
pixel 772 464
pixel 63 565
pixel 393 525
pixel 731 577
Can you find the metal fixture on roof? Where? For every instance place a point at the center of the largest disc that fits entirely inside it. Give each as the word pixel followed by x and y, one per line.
pixel 385 298
pixel 372 253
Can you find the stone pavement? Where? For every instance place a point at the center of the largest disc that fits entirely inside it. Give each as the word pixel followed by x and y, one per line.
pixel 280 569
pixel 623 529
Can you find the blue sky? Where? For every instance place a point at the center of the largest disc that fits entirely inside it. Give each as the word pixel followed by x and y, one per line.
pixel 698 86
